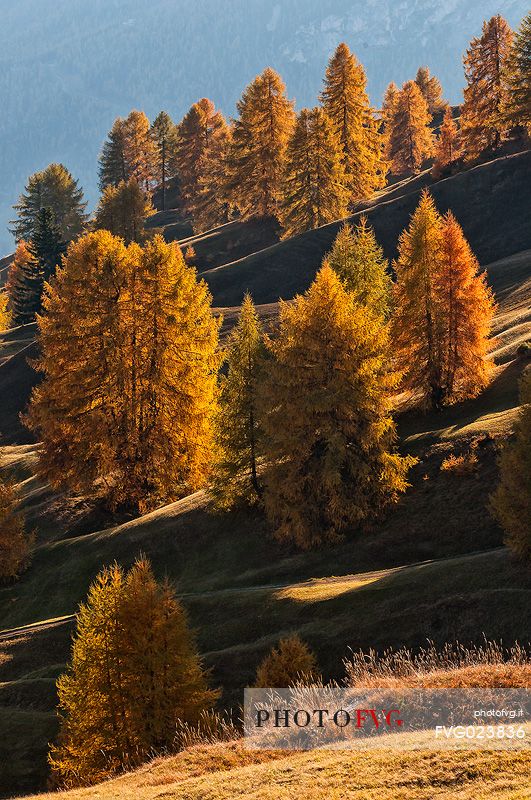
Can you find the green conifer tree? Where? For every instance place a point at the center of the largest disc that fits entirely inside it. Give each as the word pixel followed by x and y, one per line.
pixel 239 432
pixel 359 261
pixel 44 256
pixel 53 188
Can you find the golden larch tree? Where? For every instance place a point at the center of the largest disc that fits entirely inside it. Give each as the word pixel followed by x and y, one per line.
pixel 200 131
pixel 431 89
pixel 389 103
pixel 129 152
pixel 129 358
pixel 517 111
pixel 329 433
pixel 235 479
pixel 417 334
pixel 315 185
pixel 359 261
pixel 140 151
pixel 448 144
pixel 123 210
pixel 288 664
pixel 135 673
pixel 410 136
pixel 258 147
pixel 466 306
pixel 210 205
pixel 15 542
pixel 387 113
pixel 485 96
pixel 511 502
pixel 17 288
pixel 346 103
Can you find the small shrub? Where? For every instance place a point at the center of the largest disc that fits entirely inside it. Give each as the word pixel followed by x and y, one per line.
pixel 460 465
pixel 284 666
pixel 524 351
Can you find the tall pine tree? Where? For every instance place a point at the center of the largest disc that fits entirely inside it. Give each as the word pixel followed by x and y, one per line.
pixel 258 146
pixel 140 151
pixel 18 289
pixel 417 331
pixel 197 134
pixel 129 152
pixel 239 432
pixel 135 673
pixel 443 310
pixel 210 203
pixel 346 103
pixel 431 90
pixel 485 96
pixel 129 358
pixel 359 261
pixel 315 184
pixel 329 434
pixel 467 307
pixel 35 264
pixel 410 137
pixel 164 134
pixel 53 188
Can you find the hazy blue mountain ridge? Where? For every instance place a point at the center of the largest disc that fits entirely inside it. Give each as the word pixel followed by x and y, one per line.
pixel 69 67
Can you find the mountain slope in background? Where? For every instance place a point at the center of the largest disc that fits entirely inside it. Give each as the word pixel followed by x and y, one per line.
pixel 68 68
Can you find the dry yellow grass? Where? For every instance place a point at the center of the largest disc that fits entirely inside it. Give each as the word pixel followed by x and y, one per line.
pixel 227 771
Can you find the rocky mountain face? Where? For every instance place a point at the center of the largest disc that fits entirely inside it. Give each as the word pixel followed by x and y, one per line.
pixel 68 67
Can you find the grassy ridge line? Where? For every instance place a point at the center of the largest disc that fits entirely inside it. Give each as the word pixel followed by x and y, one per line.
pixel 310 589
pixel 494 231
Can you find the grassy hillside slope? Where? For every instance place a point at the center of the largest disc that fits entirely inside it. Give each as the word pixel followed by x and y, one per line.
pixel 495 229
pixel 434 567
pixel 227 770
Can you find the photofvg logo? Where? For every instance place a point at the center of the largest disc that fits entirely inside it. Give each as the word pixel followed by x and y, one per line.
pixel 309 717
pixel 360 718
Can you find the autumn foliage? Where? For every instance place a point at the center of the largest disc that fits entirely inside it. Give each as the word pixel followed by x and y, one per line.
pixel 134 674
pixel 257 151
pixel 291 661
pixel 15 542
pixel 485 95
pixel 410 140
pixel 315 182
pixel 359 261
pixel 129 361
pixel 448 144
pixel 328 429
pixel 443 309
pixel 346 103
